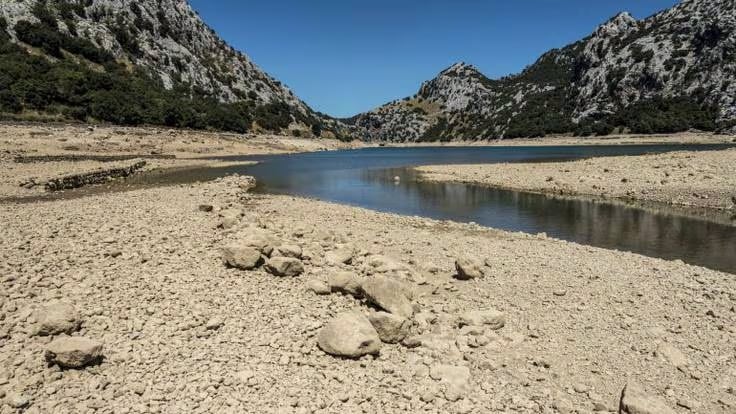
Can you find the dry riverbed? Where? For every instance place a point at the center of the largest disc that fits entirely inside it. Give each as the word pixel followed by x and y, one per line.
pixel 704 179
pixel 535 324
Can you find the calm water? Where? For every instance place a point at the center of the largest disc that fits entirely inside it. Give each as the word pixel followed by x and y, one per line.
pixel 365 178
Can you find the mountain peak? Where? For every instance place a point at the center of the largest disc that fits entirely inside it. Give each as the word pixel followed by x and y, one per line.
pixel 619 24
pixel 461 69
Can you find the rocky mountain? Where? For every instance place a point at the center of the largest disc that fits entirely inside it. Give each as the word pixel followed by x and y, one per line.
pixel 166 40
pixel 673 71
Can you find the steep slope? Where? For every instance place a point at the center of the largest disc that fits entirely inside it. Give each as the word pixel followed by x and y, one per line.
pixel 164 40
pixel 670 72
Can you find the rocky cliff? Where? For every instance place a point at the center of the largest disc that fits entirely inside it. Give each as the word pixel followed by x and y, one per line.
pixel 673 71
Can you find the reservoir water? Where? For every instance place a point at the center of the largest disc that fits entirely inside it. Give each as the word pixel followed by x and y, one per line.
pixel 365 178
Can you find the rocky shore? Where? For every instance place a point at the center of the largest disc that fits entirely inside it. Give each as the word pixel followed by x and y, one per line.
pixel 204 298
pixel 702 179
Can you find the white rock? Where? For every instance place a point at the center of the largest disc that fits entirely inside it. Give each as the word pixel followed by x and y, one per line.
pixel 349 335
pixel 284 266
pixel 73 352
pixel 635 400
pixel 57 318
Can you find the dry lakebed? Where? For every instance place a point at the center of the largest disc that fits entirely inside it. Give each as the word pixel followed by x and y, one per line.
pixel 208 297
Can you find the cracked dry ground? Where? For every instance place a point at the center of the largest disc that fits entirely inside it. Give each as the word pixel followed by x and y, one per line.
pixel 144 270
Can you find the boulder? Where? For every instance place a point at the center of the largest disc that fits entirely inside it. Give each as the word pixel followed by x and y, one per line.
pixel 57 318
pixel 391 329
pixel 385 264
pixel 345 282
pixel 288 250
pixel 388 295
pixel 456 380
pixel 318 287
pixel 73 352
pixel 284 266
pixel 241 256
pixel 468 268
pixel 349 335
pixel 342 255
pixel 260 240
pixel 635 400
pixel 490 317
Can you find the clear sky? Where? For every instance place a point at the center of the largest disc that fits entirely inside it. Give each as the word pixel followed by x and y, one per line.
pixel 348 56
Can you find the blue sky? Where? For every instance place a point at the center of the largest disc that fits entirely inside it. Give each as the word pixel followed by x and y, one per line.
pixel 348 56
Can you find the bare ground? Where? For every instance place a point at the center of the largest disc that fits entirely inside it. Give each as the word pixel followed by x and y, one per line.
pixel 144 269
pixel 702 179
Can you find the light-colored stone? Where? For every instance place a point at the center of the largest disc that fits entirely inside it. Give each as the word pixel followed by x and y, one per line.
pixel 318 287
pixel 391 329
pixel 456 380
pixel 241 256
pixel 73 352
pixel 492 318
pixel 284 266
pixel 345 282
pixel 468 268
pixel 673 355
pixel 388 295
pixel 288 250
pixel 342 255
pixel 57 318
pixel 635 400
pixel 349 335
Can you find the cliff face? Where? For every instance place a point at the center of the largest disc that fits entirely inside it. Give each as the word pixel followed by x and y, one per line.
pixel 168 38
pixel 674 70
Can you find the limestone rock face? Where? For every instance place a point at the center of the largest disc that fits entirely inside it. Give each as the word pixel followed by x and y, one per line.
pixel 73 352
pixel 635 400
pixel 57 318
pixel 622 62
pixel 349 335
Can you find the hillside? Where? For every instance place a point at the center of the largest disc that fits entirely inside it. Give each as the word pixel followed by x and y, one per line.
pixel 671 72
pixel 149 61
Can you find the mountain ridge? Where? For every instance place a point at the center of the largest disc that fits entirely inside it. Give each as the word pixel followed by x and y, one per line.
pixel 673 71
pixel 170 42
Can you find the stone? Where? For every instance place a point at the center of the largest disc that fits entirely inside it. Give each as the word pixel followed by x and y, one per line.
pixel 468 268
pixel 229 219
pixel 260 240
pixel 241 256
pixel 388 295
pixel 214 324
pixel 57 318
pixel 673 355
pixel 391 329
pixel 73 352
pixel 284 266
pixel 17 401
pixel 318 287
pixel 492 318
pixel 455 378
pixel 349 335
pixel 343 255
pixel 345 282
pixel 635 400
pixel 288 250
pixel 206 208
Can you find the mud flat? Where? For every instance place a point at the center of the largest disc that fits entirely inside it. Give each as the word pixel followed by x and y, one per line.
pixel 496 321
pixel 703 180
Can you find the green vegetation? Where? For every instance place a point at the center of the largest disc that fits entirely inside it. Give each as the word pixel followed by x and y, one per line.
pixel 74 79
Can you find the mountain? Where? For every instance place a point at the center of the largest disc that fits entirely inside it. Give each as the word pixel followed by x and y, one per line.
pixel 145 61
pixel 673 71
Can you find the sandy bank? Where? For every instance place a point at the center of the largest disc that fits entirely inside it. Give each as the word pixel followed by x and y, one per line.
pixel 703 179
pixel 183 333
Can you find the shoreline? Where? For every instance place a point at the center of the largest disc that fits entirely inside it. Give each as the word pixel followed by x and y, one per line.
pixel 687 180
pixel 144 270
